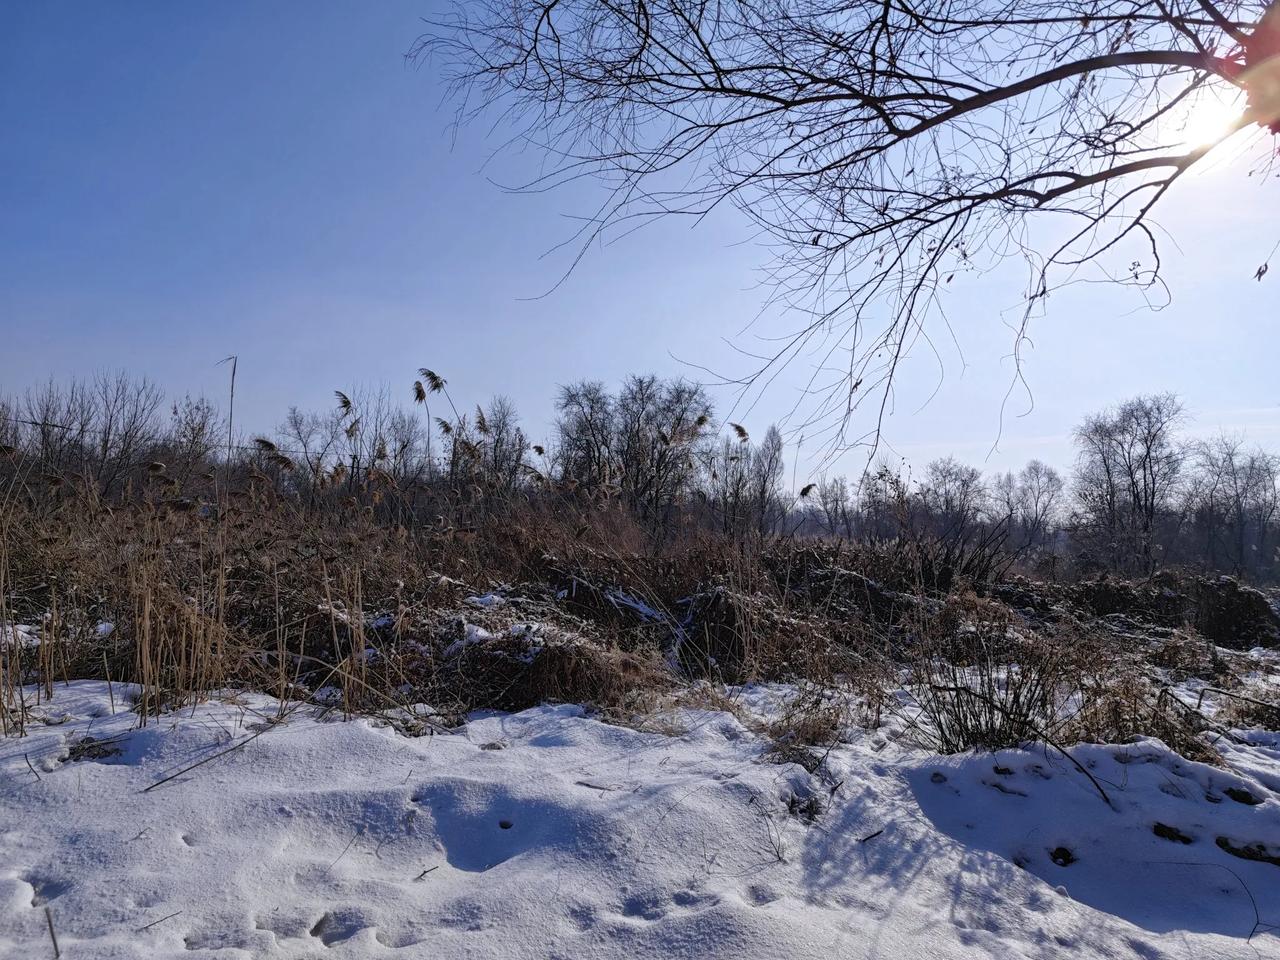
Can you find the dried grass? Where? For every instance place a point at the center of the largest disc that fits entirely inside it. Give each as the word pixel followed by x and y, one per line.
pixel 259 591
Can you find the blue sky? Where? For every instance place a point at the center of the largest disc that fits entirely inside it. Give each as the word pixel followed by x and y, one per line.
pixel 180 182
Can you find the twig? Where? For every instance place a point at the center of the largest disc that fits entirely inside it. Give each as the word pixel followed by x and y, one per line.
pixel 200 763
pixel 354 836
pixel 48 916
pixel 30 767
pixel 593 786
pixel 157 922
pixel 1258 923
pixel 111 695
pixel 425 872
pixel 1166 693
pixel 1234 696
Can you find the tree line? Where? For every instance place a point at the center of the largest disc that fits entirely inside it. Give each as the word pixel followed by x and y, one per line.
pixel 1141 495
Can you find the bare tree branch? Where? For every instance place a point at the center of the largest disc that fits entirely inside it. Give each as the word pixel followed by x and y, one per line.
pixel 878 146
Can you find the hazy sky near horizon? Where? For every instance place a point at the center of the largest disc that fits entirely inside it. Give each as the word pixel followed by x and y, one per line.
pixel 181 182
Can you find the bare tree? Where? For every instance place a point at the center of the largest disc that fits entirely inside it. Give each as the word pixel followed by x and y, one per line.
pixel 10 423
pixel 1040 497
pixel 502 445
pixel 1028 502
pixel 584 434
pixel 766 482
pixel 1233 504
pixel 837 507
pixel 313 438
pixel 953 496
pixel 882 146
pixel 744 483
pixel 1128 464
pixel 658 425
pixel 195 431
pixel 97 428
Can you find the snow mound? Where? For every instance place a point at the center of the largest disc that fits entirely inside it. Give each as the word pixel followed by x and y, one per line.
pixel 549 834
pixel 1156 856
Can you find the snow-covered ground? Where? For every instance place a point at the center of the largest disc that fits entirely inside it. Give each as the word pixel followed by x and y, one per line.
pixel 549 834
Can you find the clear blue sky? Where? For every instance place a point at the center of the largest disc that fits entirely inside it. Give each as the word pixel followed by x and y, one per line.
pixel 180 182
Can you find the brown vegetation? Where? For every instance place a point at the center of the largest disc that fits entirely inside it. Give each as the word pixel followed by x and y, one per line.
pixel 423 589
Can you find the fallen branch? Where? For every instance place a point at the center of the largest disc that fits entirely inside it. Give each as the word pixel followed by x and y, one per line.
pixel 48 916
pixel 201 763
pixel 1167 694
pixel 155 923
pixel 1234 696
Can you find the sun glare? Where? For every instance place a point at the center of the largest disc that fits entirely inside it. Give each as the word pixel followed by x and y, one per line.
pixel 1209 120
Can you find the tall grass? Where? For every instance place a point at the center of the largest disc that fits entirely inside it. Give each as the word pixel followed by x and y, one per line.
pixel 332 600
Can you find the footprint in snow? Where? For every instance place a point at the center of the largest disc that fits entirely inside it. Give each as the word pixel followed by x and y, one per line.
pixel 44 889
pixel 284 926
pixel 643 907
pixel 1240 795
pixel 656 905
pixel 337 926
pixel 396 941
pixel 997 785
pixel 759 894
pixel 1062 856
pixel 692 899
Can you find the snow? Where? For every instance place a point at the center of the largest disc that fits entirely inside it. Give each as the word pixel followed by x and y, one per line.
pixel 1015 805
pixel 19 634
pixel 550 834
pixel 471 635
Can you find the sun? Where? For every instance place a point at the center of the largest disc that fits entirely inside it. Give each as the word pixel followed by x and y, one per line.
pixel 1209 119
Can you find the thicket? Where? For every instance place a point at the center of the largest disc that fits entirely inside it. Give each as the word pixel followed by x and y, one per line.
pixel 1140 498
pixel 381 555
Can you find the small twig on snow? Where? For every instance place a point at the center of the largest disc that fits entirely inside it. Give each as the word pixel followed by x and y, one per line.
pixel 48 916
pixel 353 839
pixel 154 923
pixel 200 763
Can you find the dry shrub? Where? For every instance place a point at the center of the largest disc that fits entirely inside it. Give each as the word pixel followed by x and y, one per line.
pixel 195 596
pixel 510 674
pixel 1221 609
pixel 721 637
pixel 614 681
pixel 1184 654
pixel 814 717
pixel 263 590
pixel 983 683
pixel 738 637
pixel 1255 707
pixel 896 569
pixel 1127 706
pixel 810 725
pixel 872 681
